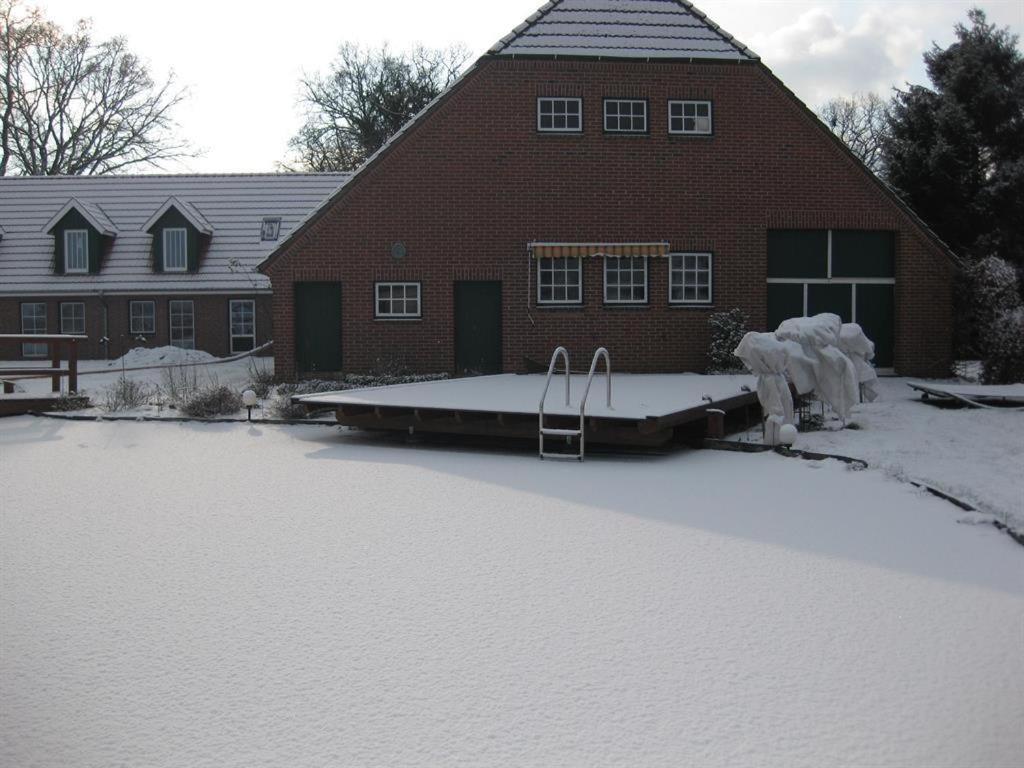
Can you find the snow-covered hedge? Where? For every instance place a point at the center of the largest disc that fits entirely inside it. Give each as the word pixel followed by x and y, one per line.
pixel 996 311
pixel 727 331
pixel 1004 358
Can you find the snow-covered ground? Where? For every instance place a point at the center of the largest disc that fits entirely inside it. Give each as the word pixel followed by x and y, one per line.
pixel 974 454
pixel 235 595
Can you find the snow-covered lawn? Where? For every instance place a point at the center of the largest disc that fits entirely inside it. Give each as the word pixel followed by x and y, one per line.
pixel 234 595
pixel 974 454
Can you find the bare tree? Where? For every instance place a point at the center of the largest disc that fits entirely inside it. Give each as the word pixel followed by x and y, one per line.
pixel 364 99
pixel 862 122
pixel 74 107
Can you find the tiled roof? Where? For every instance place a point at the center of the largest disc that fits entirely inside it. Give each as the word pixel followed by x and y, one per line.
pixel 644 29
pixel 232 207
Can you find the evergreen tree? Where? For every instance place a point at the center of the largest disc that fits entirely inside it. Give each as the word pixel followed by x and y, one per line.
pixel 956 152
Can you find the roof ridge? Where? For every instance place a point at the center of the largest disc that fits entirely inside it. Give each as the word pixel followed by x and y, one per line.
pixel 122 176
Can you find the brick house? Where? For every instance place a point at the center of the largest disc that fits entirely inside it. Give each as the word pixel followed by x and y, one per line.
pixel 608 174
pixel 161 259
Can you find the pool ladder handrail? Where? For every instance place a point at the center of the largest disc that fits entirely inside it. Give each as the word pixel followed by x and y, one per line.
pixel 571 433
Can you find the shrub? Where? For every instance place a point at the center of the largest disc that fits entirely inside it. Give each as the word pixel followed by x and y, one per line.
pixel 284 408
pixel 212 401
pixel 727 329
pixel 261 378
pixel 124 395
pixel 70 402
pixel 1004 347
pixel 991 288
pixel 180 383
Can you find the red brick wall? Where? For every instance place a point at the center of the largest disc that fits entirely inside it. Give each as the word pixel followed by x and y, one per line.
pixel 211 322
pixel 468 188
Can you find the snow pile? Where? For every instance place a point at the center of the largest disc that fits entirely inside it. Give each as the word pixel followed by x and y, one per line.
pixel 146 356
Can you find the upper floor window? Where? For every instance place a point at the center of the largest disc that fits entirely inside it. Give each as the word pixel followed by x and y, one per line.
pixel 625 279
pixel 175 249
pixel 558 115
pixel 692 117
pixel 397 300
pixel 559 280
pixel 76 250
pixel 625 116
pixel 689 278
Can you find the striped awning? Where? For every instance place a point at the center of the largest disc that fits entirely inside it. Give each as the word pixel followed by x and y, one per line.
pixel 577 250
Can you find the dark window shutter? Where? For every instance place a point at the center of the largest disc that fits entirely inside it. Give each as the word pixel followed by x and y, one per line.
pixel 158 253
pixel 95 252
pixel 193 250
pixel 58 252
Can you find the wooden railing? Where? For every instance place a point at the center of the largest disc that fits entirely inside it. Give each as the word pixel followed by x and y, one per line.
pixel 56 344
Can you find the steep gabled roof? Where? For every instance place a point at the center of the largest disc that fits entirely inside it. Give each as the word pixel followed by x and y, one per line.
pixel 186 209
pixel 90 211
pixel 233 206
pixel 633 29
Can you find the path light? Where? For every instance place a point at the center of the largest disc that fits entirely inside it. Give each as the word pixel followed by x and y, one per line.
pixel 787 434
pixel 249 399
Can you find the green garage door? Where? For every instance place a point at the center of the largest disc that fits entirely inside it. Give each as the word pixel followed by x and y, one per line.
pixel 850 273
pixel 317 327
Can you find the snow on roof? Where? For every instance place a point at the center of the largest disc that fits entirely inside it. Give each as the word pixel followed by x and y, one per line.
pixel 231 206
pixel 92 213
pixel 646 29
pixel 186 209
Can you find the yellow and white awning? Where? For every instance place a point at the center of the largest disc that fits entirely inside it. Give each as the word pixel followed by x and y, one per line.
pixel 578 250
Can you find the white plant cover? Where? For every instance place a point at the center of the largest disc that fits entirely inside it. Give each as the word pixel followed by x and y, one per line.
pixel 768 357
pixel 835 377
pixel 861 350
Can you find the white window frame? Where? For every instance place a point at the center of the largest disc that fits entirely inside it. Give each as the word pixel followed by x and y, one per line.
pixel 170 324
pixel 682 103
pixel 618 117
pixel 391 298
pixel 231 325
pixel 32 348
pixel 82 236
pixel 151 316
pixel 64 320
pixel 683 270
pixel 168 232
pixel 552 270
pixel 631 270
pixel 567 99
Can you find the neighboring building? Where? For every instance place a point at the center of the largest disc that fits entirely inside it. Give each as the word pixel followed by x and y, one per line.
pixel 151 260
pixel 609 174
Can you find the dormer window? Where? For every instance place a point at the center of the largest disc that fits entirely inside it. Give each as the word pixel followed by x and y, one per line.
pixel 175 249
pixel 270 229
pixel 76 251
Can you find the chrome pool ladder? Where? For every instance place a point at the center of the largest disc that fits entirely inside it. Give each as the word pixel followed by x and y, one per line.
pixel 569 434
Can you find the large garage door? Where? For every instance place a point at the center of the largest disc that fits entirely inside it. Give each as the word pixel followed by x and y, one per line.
pixel 850 273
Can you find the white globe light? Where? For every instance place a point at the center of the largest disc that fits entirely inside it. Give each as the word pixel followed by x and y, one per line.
pixel 787 434
pixel 249 398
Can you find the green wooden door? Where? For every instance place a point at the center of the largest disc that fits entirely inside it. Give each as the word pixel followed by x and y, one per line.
pixel 876 314
pixel 317 327
pixel 477 327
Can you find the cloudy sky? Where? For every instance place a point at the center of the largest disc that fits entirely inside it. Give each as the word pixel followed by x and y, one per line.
pixel 242 60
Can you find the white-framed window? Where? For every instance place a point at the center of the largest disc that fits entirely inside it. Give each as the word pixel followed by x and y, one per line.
pixel 396 300
pixel 689 278
pixel 625 279
pixel 72 317
pixel 33 320
pixel 560 280
pixel 242 314
pixel 559 115
pixel 142 317
pixel 76 251
pixel 270 228
pixel 692 117
pixel 175 249
pixel 183 323
pixel 625 116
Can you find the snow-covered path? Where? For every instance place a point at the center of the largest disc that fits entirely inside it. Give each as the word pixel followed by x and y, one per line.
pixel 225 595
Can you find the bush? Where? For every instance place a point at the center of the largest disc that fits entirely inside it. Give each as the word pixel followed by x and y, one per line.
pixel 990 288
pixel 125 395
pixel 261 379
pixel 727 330
pixel 1004 342
pixel 180 383
pixel 284 408
pixel 70 402
pixel 212 401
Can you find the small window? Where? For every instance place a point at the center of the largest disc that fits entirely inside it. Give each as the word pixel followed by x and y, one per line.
pixel 625 279
pixel 175 249
pixel 243 325
pixel 689 279
pixel 76 251
pixel 33 320
pixel 559 280
pixel 270 229
pixel 397 300
pixel 559 115
pixel 625 116
pixel 72 318
pixel 142 317
pixel 689 117
pixel 183 326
